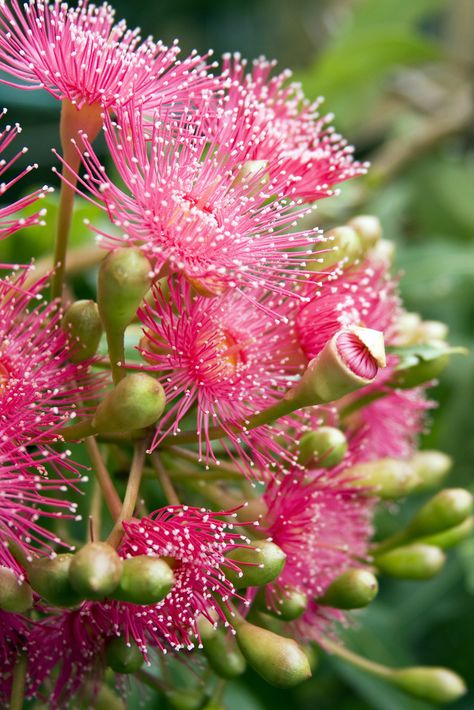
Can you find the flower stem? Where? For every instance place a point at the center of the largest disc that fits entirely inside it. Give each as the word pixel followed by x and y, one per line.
pixel 103 478
pixel 355 660
pixel 165 481
pixel 131 493
pixel 66 205
pixel 17 696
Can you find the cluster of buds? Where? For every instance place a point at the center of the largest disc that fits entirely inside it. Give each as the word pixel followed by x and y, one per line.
pixel 247 390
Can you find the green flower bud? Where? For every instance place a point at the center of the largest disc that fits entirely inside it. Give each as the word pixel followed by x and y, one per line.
pixel 421 372
pixel 324 447
pixel 124 279
pixel 15 595
pixel 447 509
pixel 188 699
pixel 368 229
pixel 453 536
pixel 247 172
pixel 144 580
pixel 290 604
pixel 431 468
pixel 82 322
pixel 417 561
pixel 95 570
pixel 106 699
pixel 223 655
pixel 388 478
pixel 353 589
pixel 435 685
pixel 259 565
pixel 279 660
pixel 343 244
pixel 136 402
pixel 123 656
pixel 50 578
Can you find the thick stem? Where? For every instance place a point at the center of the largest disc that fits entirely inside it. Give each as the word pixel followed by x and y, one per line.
pixel 165 481
pixel 17 697
pixel 66 205
pixel 77 432
pixel 370 666
pixel 131 493
pixel 103 478
pixel 116 347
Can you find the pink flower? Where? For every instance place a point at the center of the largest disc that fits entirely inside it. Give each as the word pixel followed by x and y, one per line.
pixel 14 630
pixel 295 139
pixel 79 54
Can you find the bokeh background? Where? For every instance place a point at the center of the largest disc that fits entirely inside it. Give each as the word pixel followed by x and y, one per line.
pixel 398 76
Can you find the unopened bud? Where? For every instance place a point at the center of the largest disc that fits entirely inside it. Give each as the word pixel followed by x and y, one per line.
pixel 95 570
pixel 353 589
pixel 452 537
pixel 279 660
pixel 368 228
pixel 431 467
pixel 345 248
pixel 145 580
pixel 15 595
pixel 382 253
pixel 432 331
pixel 435 685
pixel 84 327
pixel 447 509
pixel 417 561
pixel 421 372
pixel 290 604
pixel 50 579
pixel 259 565
pixel 386 478
pixel 136 402
pixel 223 655
pixel 123 656
pixel 124 279
pixel 188 699
pixel 325 447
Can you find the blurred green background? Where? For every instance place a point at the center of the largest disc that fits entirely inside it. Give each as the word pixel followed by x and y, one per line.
pixel 398 75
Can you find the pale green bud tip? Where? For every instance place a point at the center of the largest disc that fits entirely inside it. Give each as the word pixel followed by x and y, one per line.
pixel 258 565
pixel 353 589
pixel 123 656
pixel 279 660
pixel 84 327
pixel 436 685
pixel 136 402
pixel 95 570
pixel 431 468
pixel 368 228
pixel 417 561
pixel 124 279
pixel 325 447
pixel 50 579
pixel 386 478
pixel 145 580
pixel 15 595
pixel 447 509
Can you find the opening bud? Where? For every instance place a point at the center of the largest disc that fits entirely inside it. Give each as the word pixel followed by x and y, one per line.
pixel 368 228
pixel 123 656
pixel 95 570
pixel 145 580
pixel 388 478
pixel 431 467
pixel 258 565
pixel 447 509
pixel 124 279
pixel 417 561
pixel 15 595
pixel 325 447
pixel 279 660
pixel 50 578
pixel 435 685
pixel 353 589
pixel 82 322
pixel 136 402
pixel 222 653
pixel 345 246
pixel 288 606
pixel 453 536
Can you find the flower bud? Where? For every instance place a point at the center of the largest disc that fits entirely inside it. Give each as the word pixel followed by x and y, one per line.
pixel 420 372
pixel 417 561
pixel 259 565
pixel 431 468
pixel 382 253
pixel 145 580
pixel 325 447
pixel 279 660
pixel 343 244
pixel 453 536
pixel 447 509
pixel 136 402
pixel 388 478
pixel 123 656
pixel 95 570
pixel 290 604
pixel 251 168
pixel 224 657
pixel 50 578
pixel 15 595
pixel 432 331
pixel 435 685
pixel 187 699
pixel 349 361
pixel 82 322
pixel 353 589
pixel 368 228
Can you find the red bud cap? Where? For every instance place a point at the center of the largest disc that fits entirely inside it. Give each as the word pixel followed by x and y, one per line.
pixel 279 660
pixel 325 447
pixel 95 570
pixel 15 595
pixel 136 403
pixel 123 656
pixel 435 685
pixel 145 580
pixel 447 509
pixel 82 322
pixel 124 279
pixel 353 589
pixel 50 579
pixel 418 561
pixel 259 565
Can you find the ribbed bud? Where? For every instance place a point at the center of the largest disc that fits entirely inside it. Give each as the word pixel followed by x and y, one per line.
pixel 289 605
pixel 259 565
pixel 387 478
pixel 435 685
pixel 222 653
pixel 349 361
pixel 368 228
pixel 431 467
pixel 136 402
pixel 453 536
pixel 144 580
pixel 447 509
pixel 417 561
pixel 123 656
pixel 420 373
pixel 15 596
pixel 325 447
pixel 353 589
pixel 84 327
pixel 279 660
pixel 124 279
pixel 343 244
pixel 95 570
pixel 50 579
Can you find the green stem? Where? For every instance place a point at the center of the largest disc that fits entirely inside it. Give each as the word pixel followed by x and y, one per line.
pixel 17 697
pixel 194 457
pixel 66 205
pixel 165 481
pixel 131 493
pixel 77 432
pixel 355 660
pixel 116 347
pixel 360 403
pixel 103 478
pixel 389 543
